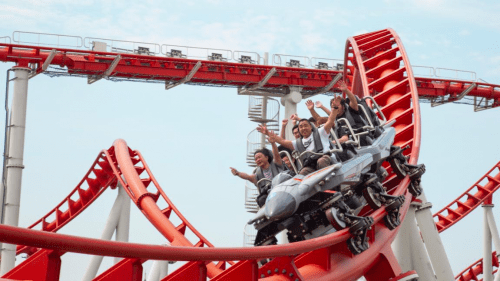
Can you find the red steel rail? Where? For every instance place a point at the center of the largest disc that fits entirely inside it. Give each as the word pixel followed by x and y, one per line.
pixel 215 73
pixel 469 200
pixel 474 271
pixel 371 68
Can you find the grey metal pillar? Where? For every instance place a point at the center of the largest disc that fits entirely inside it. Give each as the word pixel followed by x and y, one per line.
pixel 14 165
pixel 487 249
pixel 290 102
pixel 409 248
pixel 433 242
pixel 123 227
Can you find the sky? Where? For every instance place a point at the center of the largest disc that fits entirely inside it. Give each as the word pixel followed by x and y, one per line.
pixel 191 135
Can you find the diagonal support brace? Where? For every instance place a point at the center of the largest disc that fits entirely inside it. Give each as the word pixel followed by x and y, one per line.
pixel 108 71
pixel 329 86
pixel 260 84
pixel 185 79
pixel 45 64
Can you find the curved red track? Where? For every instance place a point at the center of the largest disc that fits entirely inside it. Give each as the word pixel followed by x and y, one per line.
pixel 376 65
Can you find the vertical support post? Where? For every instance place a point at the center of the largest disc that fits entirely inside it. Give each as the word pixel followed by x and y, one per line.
pixel 107 233
pixel 433 242
pixel 409 248
pixel 487 258
pixel 123 227
pixel 494 235
pixel 290 102
pixel 14 165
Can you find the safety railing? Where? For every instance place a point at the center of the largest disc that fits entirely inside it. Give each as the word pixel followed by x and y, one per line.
pixel 251 194
pixel 121 46
pixel 196 52
pixel 446 73
pixel 5 39
pixel 327 64
pixel 291 61
pixel 47 39
pixel 247 57
pixel 249 235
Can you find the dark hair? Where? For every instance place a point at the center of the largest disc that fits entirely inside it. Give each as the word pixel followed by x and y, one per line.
pixel 282 148
pixel 266 152
pixel 312 120
pixel 296 126
pixel 307 120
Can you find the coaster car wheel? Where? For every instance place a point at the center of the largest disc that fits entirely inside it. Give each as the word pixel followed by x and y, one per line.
pixel 371 198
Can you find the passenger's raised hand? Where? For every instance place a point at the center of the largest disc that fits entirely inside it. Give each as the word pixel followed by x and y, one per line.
pixel 309 104
pixel 272 137
pixel 263 129
pixel 284 122
pixel 342 85
pixel 318 104
pixel 234 171
pixel 295 117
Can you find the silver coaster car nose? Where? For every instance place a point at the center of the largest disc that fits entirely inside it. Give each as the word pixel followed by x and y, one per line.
pixel 279 205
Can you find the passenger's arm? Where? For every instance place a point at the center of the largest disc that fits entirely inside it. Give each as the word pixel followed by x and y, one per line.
pixel 310 106
pixel 353 101
pixel 276 155
pixel 284 142
pixel 320 105
pixel 331 119
pixel 295 118
pixel 283 128
pixel 343 139
pixel 245 176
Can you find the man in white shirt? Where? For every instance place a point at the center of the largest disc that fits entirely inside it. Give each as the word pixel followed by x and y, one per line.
pixel 314 140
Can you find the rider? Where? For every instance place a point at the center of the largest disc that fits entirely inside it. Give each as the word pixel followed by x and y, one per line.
pixel 268 166
pixel 312 139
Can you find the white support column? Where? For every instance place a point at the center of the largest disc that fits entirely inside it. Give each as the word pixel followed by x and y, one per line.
pixel 154 272
pixel 487 265
pixel 409 248
pixel 290 102
pixel 163 265
pixel 123 227
pixel 432 242
pixel 107 233
pixel 494 235
pixel 15 162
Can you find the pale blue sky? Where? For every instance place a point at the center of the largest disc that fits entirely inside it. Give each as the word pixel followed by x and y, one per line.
pixel 69 122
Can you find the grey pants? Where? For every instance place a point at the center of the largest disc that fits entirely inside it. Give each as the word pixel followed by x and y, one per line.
pixel 323 162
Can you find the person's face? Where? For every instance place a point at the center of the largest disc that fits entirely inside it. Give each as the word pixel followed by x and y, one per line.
pixel 261 159
pixel 287 162
pixel 296 133
pixel 335 103
pixel 305 129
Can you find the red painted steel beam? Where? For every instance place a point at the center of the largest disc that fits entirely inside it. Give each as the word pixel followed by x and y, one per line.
pixel 469 200
pixel 213 72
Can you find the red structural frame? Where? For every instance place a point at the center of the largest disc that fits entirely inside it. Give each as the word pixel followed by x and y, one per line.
pixel 375 64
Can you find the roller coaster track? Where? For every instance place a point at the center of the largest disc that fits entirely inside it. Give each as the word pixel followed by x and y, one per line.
pixel 375 64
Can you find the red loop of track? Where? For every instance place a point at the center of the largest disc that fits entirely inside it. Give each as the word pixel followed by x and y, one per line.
pixel 376 64
pixel 469 200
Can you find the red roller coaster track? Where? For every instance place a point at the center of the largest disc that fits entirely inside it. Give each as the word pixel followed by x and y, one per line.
pixel 375 64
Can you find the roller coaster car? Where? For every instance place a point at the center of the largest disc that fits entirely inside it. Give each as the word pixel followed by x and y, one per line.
pixel 330 199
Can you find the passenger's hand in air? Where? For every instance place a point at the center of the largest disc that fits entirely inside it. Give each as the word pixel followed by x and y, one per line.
pixel 272 137
pixel 295 117
pixel 234 171
pixel 284 122
pixel 342 86
pixel 309 104
pixel 263 129
pixel 318 104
